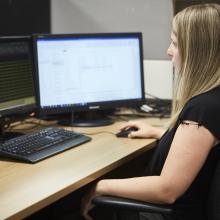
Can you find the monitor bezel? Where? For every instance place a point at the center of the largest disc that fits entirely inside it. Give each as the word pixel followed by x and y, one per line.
pixel 92 105
pixel 6 114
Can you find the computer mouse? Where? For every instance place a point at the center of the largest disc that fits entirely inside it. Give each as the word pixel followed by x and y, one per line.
pixel 125 132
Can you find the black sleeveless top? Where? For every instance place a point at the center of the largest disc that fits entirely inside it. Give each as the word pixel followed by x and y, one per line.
pixel 205 110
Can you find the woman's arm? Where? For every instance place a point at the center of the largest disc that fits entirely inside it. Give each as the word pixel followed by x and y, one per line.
pixel 188 152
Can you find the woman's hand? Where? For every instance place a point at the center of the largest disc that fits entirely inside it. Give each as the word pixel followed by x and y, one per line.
pixel 86 203
pixel 144 130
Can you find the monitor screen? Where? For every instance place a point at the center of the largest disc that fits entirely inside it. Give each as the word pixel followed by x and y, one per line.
pixel 89 71
pixel 16 79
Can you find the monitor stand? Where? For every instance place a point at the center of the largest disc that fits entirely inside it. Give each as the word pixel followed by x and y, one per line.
pixel 50 117
pixel 87 119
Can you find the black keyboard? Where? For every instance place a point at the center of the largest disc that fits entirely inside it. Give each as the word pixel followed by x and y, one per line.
pixel 42 144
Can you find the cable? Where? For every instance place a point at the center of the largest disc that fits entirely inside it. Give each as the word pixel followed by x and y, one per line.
pixel 99 132
pixel 13 127
pixel 153 96
pixel 92 133
pixel 161 107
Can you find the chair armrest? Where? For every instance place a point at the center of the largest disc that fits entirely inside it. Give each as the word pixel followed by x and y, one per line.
pixel 131 204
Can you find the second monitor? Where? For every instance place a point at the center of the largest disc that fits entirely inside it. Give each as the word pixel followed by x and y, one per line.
pixel 92 72
pixel 17 97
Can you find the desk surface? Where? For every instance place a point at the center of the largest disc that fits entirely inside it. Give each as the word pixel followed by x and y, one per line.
pixel 26 188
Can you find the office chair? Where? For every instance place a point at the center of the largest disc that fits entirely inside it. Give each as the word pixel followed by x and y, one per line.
pixel 119 204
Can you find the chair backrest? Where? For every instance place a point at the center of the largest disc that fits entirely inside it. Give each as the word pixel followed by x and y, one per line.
pixel 214 196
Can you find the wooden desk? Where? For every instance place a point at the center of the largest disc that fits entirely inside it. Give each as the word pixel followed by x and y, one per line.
pixel 27 188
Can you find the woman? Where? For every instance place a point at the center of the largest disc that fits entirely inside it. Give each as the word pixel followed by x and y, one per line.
pixel 185 158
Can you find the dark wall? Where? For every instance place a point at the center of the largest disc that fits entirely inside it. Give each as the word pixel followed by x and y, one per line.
pixel 23 17
pixel 179 5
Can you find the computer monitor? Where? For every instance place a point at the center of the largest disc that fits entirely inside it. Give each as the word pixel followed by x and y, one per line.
pixel 88 72
pixel 17 97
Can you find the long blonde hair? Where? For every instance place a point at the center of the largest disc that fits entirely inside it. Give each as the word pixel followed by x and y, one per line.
pixel 197 29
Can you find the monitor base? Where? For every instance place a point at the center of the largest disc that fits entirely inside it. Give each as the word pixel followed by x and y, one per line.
pixel 87 119
pixel 86 122
pixel 50 117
